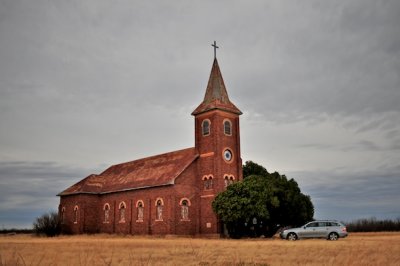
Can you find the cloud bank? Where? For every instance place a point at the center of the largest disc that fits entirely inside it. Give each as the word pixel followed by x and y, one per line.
pixel 84 85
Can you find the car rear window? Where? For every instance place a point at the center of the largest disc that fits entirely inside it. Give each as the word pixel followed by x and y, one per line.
pixel 331 224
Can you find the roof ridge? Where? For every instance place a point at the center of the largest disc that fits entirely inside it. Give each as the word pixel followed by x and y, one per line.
pixel 146 158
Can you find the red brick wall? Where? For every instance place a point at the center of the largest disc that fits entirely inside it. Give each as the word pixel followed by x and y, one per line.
pixel 216 143
pixel 87 214
pixel 91 210
pixel 211 162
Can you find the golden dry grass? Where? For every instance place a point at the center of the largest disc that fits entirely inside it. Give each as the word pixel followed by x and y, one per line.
pixel 357 249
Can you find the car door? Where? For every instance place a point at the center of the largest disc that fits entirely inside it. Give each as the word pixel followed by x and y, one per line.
pixel 309 230
pixel 322 230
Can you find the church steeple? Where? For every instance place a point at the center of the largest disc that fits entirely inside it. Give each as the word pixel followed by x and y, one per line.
pixel 216 96
pixel 217 142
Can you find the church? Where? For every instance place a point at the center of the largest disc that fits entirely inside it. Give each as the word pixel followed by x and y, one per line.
pixel 166 194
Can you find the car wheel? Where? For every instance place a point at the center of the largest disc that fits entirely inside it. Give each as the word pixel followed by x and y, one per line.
pixel 333 236
pixel 291 237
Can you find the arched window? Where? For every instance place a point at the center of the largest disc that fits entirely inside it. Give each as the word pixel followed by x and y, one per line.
pixel 140 211
pixel 185 203
pixel 228 127
pixel 106 209
pixel 76 214
pixel 63 215
pixel 208 182
pixel 226 181
pixel 229 180
pixel 159 209
pixel 205 127
pixel 122 208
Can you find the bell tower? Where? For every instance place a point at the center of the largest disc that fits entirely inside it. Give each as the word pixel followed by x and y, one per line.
pixel 217 141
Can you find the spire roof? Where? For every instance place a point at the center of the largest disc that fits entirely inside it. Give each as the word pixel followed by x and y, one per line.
pixel 216 96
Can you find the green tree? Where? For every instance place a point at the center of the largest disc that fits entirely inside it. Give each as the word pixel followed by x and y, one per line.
pixel 244 201
pixel 251 168
pixel 262 203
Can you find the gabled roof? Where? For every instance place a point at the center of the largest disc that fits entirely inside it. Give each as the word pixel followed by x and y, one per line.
pixel 216 95
pixel 154 171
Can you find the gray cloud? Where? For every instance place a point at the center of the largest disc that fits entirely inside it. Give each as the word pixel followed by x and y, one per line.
pixel 337 61
pixel 92 83
pixel 352 195
pixel 362 145
pixel 28 189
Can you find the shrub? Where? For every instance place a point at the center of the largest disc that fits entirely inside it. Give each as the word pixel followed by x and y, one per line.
pixel 48 224
pixel 373 225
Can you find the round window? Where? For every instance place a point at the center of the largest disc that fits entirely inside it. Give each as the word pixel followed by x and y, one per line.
pixel 227 155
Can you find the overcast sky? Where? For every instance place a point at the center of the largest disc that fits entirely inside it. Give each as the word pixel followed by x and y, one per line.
pixel 87 84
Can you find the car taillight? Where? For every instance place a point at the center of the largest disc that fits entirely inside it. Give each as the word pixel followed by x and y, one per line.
pixel 344 229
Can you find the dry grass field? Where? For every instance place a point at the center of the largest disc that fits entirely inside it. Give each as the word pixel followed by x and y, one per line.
pixel 357 249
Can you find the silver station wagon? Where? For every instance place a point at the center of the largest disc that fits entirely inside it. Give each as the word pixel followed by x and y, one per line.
pixel 330 230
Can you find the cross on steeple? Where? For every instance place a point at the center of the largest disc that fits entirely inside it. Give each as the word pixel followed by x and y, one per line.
pixel 215 48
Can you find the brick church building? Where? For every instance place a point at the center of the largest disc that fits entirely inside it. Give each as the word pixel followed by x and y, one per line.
pixel 169 193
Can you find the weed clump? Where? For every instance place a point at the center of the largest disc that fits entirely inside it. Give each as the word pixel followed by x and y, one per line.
pixel 48 224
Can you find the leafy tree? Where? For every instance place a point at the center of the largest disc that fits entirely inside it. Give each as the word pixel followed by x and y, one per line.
pixel 244 201
pixel 251 168
pixel 262 203
pixel 48 224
